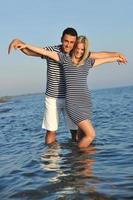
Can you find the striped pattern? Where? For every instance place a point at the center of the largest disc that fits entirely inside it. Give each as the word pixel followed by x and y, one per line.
pixel 55 86
pixel 78 99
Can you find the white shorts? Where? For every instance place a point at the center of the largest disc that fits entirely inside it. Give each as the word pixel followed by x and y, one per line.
pixel 53 107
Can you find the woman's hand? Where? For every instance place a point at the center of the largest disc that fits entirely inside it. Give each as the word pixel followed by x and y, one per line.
pixel 21 46
pixel 122 59
pixel 14 45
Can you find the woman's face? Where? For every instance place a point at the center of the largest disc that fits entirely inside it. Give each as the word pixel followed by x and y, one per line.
pixel 79 50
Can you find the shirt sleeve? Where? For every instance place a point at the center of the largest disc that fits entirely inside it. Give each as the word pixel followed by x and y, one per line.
pixel 46 48
pixel 62 57
pixel 89 54
pixel 90 62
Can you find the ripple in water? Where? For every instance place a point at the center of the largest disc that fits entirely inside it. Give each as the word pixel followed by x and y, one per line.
pixel 31 170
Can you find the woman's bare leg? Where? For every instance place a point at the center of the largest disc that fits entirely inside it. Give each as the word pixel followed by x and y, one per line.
pixel 89 133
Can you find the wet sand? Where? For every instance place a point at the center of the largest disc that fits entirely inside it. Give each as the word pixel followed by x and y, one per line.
pixel 3 100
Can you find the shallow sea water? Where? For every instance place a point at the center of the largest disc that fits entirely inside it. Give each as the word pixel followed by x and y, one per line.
pixel 30 170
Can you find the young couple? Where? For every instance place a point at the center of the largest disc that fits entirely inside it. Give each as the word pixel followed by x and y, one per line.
pixel 68 65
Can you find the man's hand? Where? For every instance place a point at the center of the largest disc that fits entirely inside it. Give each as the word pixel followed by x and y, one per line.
pixel 14 45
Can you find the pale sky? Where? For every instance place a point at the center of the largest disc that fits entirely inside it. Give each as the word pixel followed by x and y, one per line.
pixel 107 24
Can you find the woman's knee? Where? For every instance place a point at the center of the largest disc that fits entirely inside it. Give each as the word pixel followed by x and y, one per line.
pixel 88 129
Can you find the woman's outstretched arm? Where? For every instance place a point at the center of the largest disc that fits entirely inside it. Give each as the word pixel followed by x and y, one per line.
pixel 110 60
pixel 15 42
pixel 51 54
pixel 106 54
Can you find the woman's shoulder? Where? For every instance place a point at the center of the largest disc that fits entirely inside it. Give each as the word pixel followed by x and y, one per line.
pixel 90 61
pixel 64 55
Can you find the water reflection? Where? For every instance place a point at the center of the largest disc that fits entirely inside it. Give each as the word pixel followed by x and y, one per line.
pixel 86 162
pixel 51 161
pixel 70 169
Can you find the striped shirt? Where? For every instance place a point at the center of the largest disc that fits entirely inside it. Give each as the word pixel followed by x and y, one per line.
pixel 55 86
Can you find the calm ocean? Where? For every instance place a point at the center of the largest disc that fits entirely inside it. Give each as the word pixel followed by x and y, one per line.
pixel 31 170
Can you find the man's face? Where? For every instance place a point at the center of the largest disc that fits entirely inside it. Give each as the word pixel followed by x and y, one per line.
pixel 68 43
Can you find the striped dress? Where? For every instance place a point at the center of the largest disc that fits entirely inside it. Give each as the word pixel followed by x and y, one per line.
pixel 78 100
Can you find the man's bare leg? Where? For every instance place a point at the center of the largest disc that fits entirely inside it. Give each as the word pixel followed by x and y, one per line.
pixel 80 134
pixel 50 137
pixel 77 135
pixel 74 135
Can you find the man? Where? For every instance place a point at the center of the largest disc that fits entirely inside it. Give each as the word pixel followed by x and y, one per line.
pixel 55 87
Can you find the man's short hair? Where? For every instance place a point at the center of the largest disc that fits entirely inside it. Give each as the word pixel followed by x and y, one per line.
pixel 69 31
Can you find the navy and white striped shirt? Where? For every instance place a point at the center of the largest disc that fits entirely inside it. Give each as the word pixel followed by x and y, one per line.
pixel 55 77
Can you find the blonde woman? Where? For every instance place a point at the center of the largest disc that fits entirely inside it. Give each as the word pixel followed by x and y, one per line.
pixel 76 67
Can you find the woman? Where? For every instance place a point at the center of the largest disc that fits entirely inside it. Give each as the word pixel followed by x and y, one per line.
pixel 76 67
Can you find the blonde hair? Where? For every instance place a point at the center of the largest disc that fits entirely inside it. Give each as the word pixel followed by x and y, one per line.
pixel 84 40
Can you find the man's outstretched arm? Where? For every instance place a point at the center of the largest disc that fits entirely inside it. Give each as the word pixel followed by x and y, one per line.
pixel 14 44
